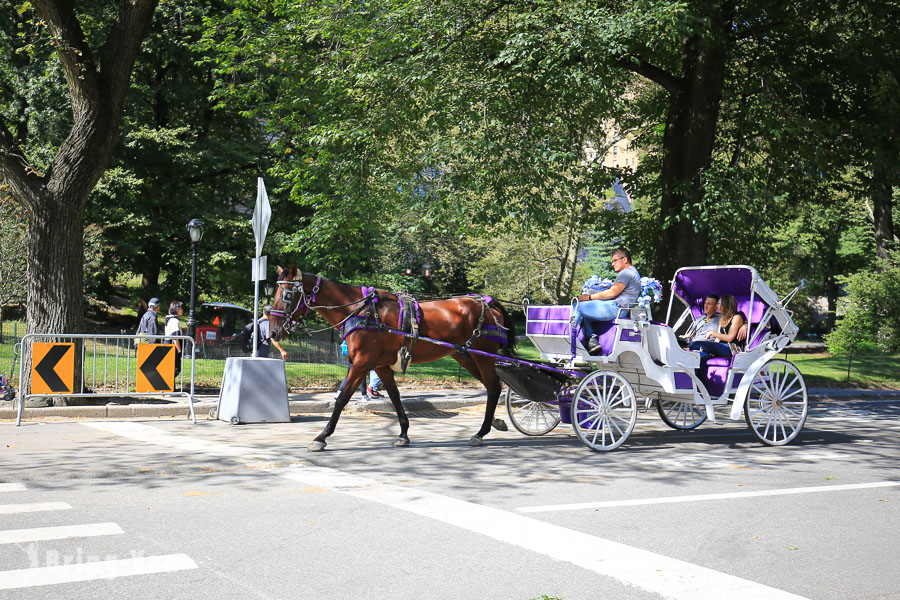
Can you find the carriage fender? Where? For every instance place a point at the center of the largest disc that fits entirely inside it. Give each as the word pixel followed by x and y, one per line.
pixel 663 377
pixel 740 395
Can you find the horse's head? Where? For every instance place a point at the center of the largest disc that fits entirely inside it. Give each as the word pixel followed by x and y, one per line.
pixel 287 301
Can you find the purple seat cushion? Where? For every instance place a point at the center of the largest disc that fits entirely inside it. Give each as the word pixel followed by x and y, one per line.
pixel 719 362
pixel 606 335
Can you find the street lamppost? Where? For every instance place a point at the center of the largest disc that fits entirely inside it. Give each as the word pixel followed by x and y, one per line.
pixel 268 289
pixel 195 229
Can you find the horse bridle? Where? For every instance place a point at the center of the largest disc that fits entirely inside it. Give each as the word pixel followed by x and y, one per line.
pixel 287 298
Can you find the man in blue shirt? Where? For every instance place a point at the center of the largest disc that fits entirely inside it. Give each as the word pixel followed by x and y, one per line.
pixel 605 305
pixel 708 321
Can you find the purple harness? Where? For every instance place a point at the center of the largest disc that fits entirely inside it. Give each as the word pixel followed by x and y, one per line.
pixel 287 298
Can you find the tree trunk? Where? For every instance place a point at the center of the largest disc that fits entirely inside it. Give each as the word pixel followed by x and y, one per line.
pixel 150 276
pixel 569 256
pixel 882 209
pixel 688 144
pixel 55 269
pixel 56 276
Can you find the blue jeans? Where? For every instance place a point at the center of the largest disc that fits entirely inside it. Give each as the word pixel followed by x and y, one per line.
pixel 599 310
pixel 374 381
pixel 708 349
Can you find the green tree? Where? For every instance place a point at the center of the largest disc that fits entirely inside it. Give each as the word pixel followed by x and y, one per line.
pixel 180 159
pixel 95 47
pixel 871 316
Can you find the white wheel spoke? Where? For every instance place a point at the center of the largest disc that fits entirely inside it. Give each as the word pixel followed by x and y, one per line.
pixel 615 422
pixel 792 412
pixel 604 410
pixel 776 407
pixel 529 416
pixel 615 400
pixel 680 415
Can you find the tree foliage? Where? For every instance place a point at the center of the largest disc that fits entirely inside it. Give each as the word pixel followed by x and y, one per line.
pixel 871 310
pixel 13 235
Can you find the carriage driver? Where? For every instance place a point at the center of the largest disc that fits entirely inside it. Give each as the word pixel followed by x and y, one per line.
pixel 605 305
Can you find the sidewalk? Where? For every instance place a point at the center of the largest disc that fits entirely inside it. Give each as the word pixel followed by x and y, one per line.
pixel 414 400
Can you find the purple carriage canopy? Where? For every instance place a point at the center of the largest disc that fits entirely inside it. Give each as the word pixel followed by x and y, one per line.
pixel 755 299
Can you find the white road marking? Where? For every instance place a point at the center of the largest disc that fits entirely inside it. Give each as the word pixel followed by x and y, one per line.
pixel 151 435
pixel 107 569
pixel 705 497
pixel 650 571
pixel 10 509
pixel 12 487
pixel 669 577
pixel 38 534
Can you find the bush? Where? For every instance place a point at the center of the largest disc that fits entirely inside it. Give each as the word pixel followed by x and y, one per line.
pixel 871 311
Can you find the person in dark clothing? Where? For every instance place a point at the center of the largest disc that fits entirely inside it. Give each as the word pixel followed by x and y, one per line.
pixel 262 326
pixel 149 326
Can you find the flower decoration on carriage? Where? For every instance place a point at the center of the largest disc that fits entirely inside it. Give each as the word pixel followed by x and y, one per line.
pixel 595 284
pixel 651 291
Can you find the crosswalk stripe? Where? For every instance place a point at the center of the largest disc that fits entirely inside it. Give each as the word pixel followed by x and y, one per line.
pixel 706 497
pixel 10 509
pixel 37 534
pixel 12 487
pixel 107 569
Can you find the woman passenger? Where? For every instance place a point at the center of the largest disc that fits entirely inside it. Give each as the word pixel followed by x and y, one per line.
pixel 724 341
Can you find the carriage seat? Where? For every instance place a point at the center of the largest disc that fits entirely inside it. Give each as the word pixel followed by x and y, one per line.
pixel 716 372
pixel 548 328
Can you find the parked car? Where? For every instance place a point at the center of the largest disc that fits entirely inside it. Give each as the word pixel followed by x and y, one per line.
pixel 221 322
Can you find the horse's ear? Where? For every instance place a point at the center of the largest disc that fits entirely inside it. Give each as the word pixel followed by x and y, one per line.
pixel 293 270
pixel 279 271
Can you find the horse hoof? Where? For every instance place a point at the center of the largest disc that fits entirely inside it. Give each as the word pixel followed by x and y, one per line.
pixel 475 441
pixel 401 442
pixel 316 446
pixel 499 425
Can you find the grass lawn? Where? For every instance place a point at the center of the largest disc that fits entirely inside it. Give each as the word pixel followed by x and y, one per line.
pixel 871 371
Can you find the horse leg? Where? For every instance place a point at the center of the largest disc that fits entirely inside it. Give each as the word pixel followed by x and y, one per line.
pixel 483 370
pixel 387 378
pixel 354 377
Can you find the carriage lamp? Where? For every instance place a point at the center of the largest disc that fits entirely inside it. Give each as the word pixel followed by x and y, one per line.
pixel 195 230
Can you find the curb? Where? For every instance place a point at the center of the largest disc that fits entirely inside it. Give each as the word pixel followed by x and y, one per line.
pixel 300 404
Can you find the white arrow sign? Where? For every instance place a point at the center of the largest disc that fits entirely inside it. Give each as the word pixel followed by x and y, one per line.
pixel 261 215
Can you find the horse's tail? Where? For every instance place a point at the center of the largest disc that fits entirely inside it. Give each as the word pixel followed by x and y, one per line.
pixel 510 348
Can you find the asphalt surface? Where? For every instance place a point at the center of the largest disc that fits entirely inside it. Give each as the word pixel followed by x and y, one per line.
pixel 414 400
pixel 167 509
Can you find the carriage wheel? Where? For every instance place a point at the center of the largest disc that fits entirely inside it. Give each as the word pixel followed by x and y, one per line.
pixel 777 404
pixel 529 417
pixel 680 415
pixel 604 410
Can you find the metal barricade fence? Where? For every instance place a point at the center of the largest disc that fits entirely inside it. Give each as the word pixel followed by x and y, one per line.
pixel 108 367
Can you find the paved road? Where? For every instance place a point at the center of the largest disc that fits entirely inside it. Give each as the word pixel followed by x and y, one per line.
pixel 165 509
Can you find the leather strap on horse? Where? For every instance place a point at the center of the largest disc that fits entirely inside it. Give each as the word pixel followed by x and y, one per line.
pixel 408 323
pixel 479 330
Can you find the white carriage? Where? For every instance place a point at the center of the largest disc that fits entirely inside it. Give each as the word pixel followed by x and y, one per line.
pixel 641 363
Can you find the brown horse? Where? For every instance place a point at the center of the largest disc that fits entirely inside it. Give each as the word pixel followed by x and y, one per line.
pixel 366 312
